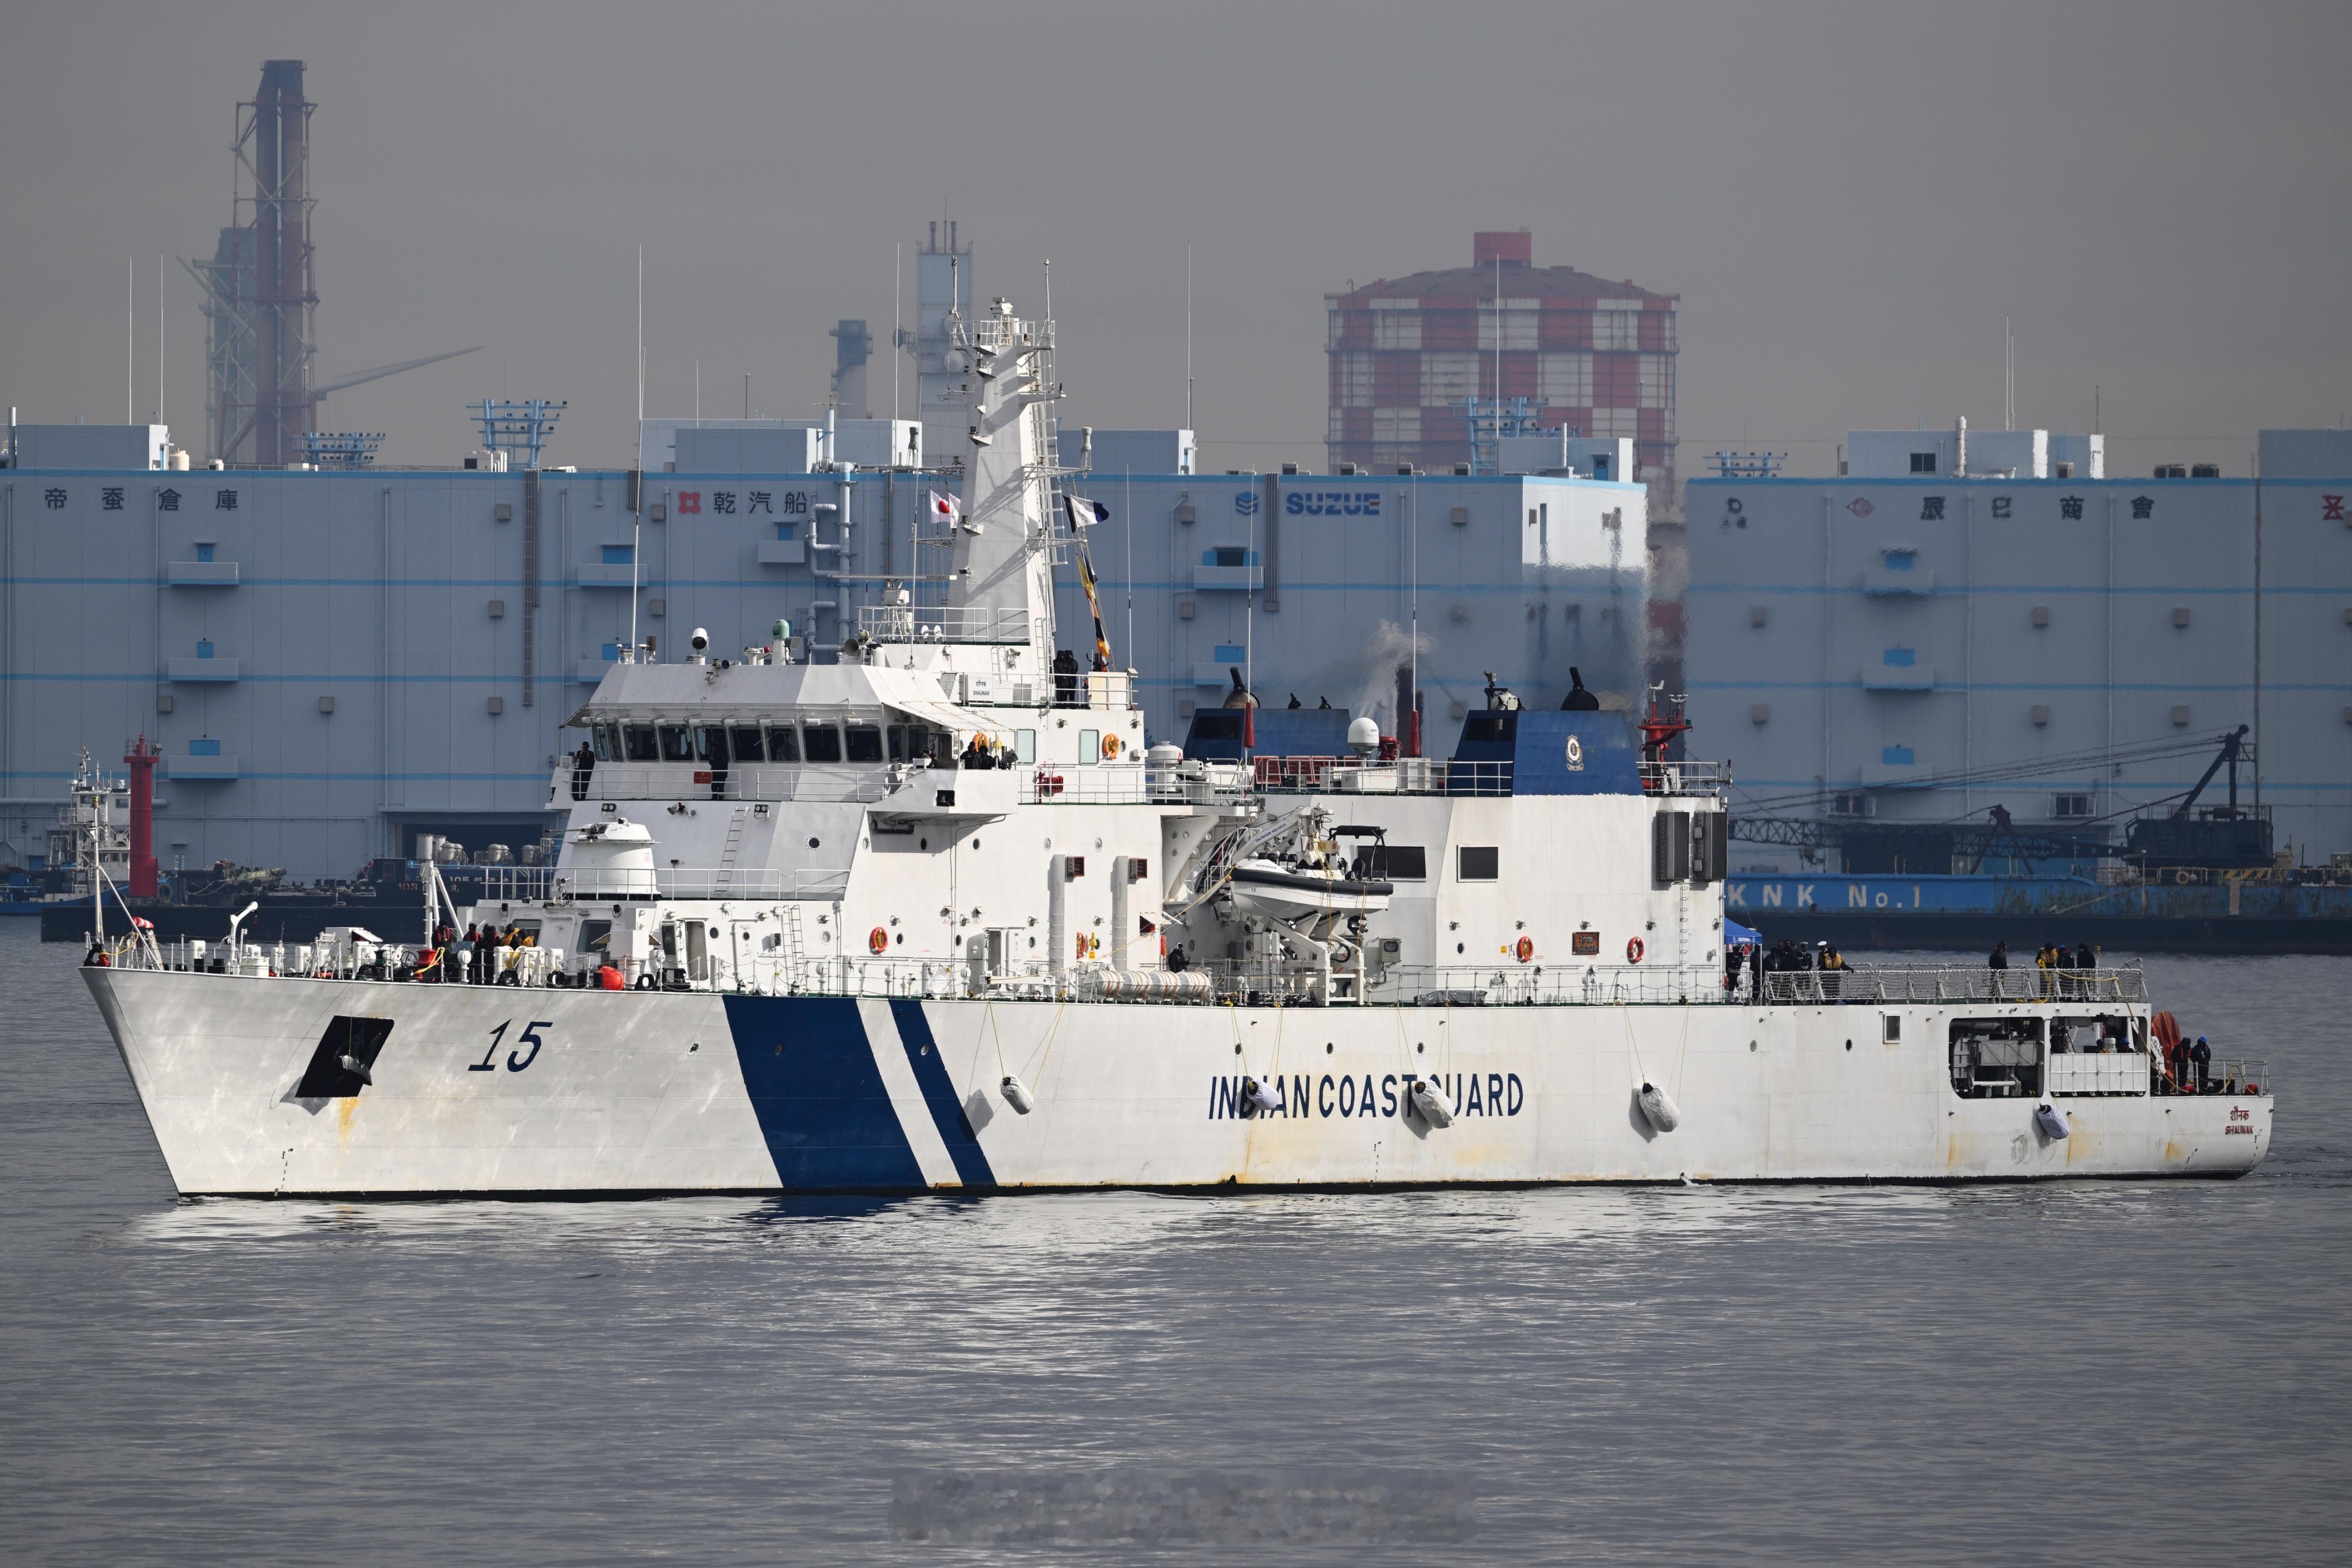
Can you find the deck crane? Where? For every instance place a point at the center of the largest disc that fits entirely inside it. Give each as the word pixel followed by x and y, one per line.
pixel 2228 835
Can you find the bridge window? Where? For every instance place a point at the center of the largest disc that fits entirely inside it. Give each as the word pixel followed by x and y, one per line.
pixel 608 742
pixel 676 744
pixel 639 740
pixel 864 743
pixel 821 742
pixel 743 739
pixel 783 743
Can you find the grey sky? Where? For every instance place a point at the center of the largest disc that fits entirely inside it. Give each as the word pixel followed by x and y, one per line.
pixel 1848 198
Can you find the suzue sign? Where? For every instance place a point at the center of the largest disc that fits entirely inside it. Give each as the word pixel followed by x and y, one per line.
pixel 1332 502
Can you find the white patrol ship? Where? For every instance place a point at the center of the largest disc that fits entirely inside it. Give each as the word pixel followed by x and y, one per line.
pixel 934 917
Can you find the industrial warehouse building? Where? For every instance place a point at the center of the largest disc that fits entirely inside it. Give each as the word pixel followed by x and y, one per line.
pixel 334 662
pixel 1969 618
pixel 1525 347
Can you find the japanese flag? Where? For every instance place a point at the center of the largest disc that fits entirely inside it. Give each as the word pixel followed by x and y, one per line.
pixel 1084 514
pixel 944 507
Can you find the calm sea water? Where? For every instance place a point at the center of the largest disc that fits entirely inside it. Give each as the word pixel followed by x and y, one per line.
pixel 2080 1372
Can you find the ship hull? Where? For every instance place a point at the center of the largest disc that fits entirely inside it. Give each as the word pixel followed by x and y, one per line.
pixel 250 1086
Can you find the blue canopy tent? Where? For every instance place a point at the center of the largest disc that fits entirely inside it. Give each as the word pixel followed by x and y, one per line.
pixel 1734 934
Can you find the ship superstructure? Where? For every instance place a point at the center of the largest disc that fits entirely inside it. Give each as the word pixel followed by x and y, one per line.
pixel 936 916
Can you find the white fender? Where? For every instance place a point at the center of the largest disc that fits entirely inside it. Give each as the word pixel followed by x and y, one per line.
pixel 1256 1092
pixel 1016 1094
pixel 2051 1121
pixel 1660 1108
pixel 1431 1101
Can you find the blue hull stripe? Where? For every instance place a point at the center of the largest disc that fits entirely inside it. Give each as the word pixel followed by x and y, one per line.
pixel 947 1111
pixel 821 1100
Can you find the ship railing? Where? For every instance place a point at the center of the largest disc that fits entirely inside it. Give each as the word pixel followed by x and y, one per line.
pixel 2229 1075
pixel 1197 782
pixel 1703 779
pixel 1951 982
pixel 1354 776
pixel 1104 785
pixel 745 781
pixel 904 624
pixel 1542 985
pixel 535 884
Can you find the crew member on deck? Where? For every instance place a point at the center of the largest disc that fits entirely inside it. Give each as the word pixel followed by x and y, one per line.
pixel 584 763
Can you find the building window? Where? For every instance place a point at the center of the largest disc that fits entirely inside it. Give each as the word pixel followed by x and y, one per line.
pixel 1853 803
pixel 2071 806
pixel 1923 463
pixel 1896 756
pixel 1899 658
pixel 620 555
pixel 203 552
pixel 1396 323
pixel 1563 379
pixel 1478 862
pixel 1448 377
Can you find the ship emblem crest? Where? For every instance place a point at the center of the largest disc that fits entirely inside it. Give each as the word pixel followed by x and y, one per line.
pixel 1575 754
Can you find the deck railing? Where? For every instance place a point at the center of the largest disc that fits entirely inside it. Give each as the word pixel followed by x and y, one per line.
pixel 1952 983
pixel 1707 778
pixel 898 623
pixel 530 883
pixel 626 782
pixel 1417 985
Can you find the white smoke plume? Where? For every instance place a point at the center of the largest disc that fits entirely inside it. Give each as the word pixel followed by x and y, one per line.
pixel 1390 645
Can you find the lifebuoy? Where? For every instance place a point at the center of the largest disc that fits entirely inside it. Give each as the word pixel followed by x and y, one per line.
pixel 1526 948
pixel 1110 747
pixel 1633 950
pixel 877 940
